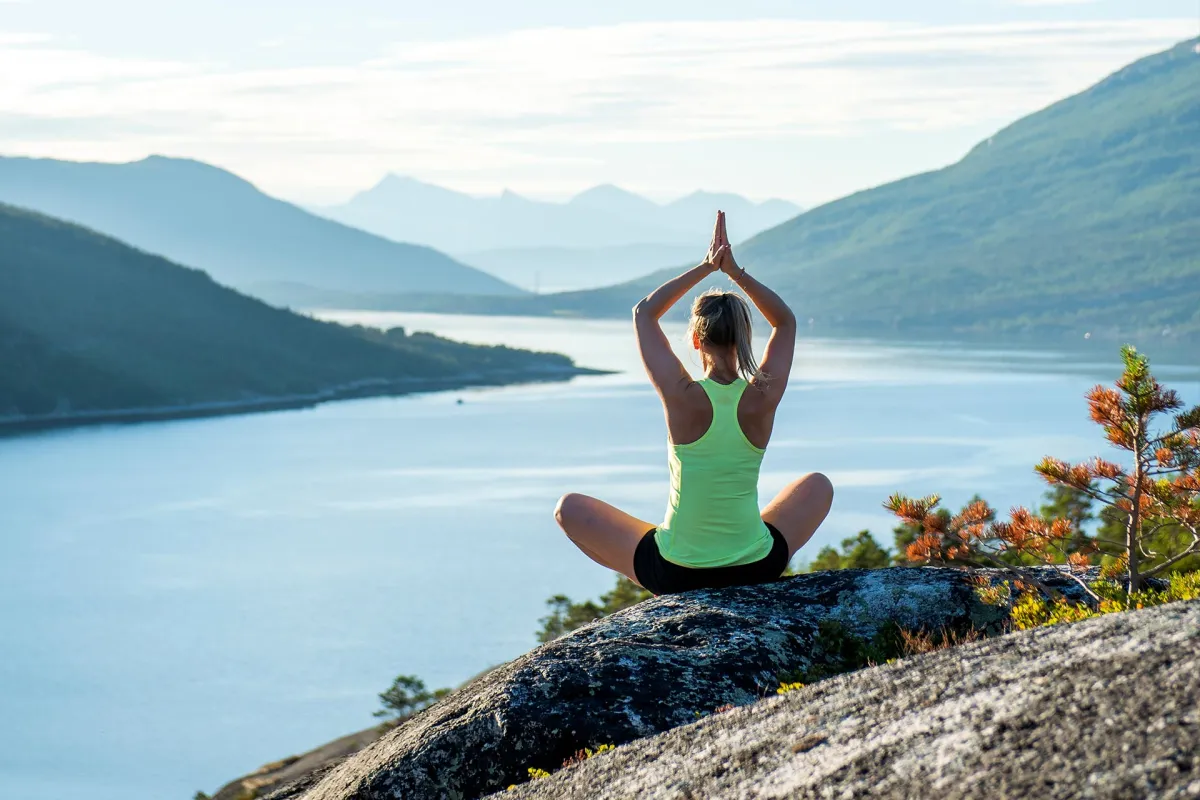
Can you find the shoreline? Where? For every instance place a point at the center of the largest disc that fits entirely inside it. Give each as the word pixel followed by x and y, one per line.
pixel 1101 342
pixel 11 427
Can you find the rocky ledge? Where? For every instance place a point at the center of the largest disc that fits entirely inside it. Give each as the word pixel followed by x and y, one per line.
pixel 654 667
pixel 1105 708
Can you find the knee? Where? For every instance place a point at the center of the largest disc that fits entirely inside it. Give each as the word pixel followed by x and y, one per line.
pixel 820 485
pixel 566 508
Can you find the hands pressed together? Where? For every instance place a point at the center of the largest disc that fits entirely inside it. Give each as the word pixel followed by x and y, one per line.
pixel 720 251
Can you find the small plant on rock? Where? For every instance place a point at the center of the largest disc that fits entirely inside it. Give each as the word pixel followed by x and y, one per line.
pixel 586 753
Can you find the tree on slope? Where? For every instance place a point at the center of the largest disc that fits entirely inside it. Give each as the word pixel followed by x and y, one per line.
pixel 1151 504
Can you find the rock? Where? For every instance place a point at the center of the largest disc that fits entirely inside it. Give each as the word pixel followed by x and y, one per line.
pixel 1105 708
pixel 289 771
pixel 648 669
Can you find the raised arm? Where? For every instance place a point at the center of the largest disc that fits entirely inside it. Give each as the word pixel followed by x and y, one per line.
pixel 776 365
pixel 666 371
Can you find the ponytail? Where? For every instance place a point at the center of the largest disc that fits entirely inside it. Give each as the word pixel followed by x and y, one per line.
pixel 722 319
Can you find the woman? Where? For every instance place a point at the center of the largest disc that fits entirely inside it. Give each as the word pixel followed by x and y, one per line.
pixel 718 428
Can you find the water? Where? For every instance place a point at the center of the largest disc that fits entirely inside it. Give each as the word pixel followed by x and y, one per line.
pixel 183 601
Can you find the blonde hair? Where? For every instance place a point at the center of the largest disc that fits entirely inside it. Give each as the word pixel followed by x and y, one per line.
pixel 722 319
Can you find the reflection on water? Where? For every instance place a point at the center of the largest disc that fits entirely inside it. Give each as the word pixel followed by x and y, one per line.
pixel 184 601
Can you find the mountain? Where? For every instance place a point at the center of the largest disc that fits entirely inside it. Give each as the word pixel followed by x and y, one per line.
pixel 196 214
pixel 601 235
pixel 609 199
pixel 1081 218
pixel 91 329
pixel 563 240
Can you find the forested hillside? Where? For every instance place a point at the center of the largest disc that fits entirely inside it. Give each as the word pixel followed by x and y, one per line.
pixel 1083 216
pixel 88 324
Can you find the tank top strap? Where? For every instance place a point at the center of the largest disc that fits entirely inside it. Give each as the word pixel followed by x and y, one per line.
pixel 724 396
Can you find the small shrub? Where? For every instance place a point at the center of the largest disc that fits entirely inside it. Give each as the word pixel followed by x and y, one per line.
pixel 915 643
pixel 837 651
pixel 1034 610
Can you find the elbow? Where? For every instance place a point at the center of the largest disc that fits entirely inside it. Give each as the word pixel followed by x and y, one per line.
pixel 642 309
pixel 788 320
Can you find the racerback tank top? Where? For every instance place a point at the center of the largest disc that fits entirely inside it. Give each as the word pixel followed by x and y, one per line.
pixel 713 518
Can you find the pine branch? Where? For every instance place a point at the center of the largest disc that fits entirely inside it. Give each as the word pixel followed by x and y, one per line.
pixel 1192 549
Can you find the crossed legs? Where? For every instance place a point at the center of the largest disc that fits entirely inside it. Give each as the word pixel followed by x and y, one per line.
pixel 609 536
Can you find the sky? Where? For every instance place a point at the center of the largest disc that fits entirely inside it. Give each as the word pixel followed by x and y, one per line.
pixel 314 100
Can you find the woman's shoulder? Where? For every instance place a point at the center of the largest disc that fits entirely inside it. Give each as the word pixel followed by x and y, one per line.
pixel 757 398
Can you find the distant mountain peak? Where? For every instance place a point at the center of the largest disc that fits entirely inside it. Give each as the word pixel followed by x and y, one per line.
pixel 509 196
pixel 607 192
pixel 607 215
pixel 392 179
pixel 192 169
pixel 393 187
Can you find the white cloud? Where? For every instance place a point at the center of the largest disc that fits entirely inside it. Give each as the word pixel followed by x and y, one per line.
pixel 506 103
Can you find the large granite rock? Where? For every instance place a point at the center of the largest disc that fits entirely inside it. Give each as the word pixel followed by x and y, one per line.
pixel 648 669
pixel 1106 708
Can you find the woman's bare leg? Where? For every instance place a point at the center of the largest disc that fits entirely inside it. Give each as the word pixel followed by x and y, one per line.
pixel 605 533
pixel 800 509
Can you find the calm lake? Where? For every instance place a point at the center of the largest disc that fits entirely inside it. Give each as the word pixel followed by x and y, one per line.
pixel 181 602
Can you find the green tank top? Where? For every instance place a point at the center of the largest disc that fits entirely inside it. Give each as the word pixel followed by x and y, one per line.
pixel 713 519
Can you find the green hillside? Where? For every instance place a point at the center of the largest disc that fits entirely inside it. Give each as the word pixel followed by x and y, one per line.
pixel 1082 217
pixel 204 217
pixel 88 324
pixel 1085 215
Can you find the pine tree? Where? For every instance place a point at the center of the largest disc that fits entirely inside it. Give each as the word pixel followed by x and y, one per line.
pixel 1150 508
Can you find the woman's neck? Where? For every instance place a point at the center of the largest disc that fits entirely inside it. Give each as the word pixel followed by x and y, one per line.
pixel 720 372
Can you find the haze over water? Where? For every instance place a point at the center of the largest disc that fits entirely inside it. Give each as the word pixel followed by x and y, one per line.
pixel 184 601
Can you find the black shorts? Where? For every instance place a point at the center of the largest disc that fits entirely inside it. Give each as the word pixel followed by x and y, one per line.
pixel 659 576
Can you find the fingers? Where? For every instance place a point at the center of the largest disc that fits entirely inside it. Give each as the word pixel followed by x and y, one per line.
pixel 716 237
pixel 725 261
pixel 721 224
pixel 723 254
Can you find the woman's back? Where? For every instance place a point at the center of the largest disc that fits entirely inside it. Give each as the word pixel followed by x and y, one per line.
pixel 714 534
pixel 712 515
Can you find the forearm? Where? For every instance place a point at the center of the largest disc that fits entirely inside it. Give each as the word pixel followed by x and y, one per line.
pixel 771 305
pixel 655 304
